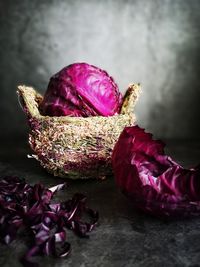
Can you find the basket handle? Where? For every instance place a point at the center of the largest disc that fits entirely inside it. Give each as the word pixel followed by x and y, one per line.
pixel 29 100
pixel 130 98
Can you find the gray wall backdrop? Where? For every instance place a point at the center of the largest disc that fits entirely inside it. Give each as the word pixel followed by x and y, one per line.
pixel 155 42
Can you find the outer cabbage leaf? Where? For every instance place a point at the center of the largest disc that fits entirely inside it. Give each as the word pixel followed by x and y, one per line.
pixel 152 180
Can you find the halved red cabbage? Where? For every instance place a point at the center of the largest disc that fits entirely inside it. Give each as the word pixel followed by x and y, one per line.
pixel 152 180
pixel 29 207
pixel 83 90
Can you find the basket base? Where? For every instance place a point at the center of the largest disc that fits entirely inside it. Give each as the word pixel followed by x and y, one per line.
pixel 74 175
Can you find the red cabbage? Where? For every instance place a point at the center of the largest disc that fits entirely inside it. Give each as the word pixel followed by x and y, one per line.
pixel 152 180
pixel 81 89
pixel 29 207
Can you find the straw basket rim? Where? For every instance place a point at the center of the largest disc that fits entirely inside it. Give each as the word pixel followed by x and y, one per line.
pixel 29 99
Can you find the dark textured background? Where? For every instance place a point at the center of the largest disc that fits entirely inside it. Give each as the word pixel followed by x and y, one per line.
pixel 156 43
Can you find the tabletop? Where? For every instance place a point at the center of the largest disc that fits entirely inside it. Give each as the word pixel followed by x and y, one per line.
pixel 124 236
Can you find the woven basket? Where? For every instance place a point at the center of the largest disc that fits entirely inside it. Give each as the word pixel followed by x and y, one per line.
pixel 75 147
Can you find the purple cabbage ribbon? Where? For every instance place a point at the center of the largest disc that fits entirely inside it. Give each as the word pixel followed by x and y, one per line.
pixel 30 208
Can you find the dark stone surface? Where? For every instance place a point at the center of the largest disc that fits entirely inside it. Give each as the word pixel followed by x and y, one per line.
pixel 124 237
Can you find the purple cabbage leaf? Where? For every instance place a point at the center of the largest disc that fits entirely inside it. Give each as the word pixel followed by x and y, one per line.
pixel 152 180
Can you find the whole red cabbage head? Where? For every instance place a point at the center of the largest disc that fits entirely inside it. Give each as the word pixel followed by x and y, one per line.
pixel 81 89
pixel 152 180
